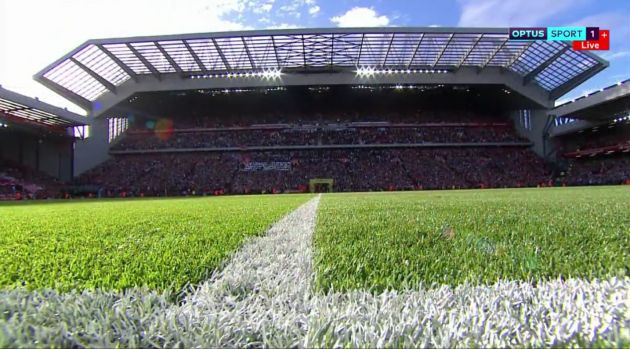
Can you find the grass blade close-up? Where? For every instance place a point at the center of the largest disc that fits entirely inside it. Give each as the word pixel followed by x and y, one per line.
pixel 379 241
pixel 160 243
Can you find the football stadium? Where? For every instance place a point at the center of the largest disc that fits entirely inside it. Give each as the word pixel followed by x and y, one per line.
pixel 334 187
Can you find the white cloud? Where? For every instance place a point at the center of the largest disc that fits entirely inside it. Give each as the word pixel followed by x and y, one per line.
pixel 502 13
pixel 35 33
pixel 295 8
pixel 292 8
pixel 611 56
pixel 265 7
pixel 360 17
pixel 283 26
pixel 259 8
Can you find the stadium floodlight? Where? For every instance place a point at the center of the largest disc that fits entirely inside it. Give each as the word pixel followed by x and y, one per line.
pixel 366 71
pixel 271 74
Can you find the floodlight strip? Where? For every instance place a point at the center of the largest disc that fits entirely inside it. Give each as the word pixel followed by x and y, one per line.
pixel 372 71
pixel 265 74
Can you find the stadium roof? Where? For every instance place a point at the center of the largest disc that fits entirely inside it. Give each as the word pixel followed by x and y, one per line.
pixel 610 104
pixel 100 67
pixel 606 103
pixel 25 110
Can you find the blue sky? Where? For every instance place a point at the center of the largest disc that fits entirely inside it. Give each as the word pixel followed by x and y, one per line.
pixel 34 33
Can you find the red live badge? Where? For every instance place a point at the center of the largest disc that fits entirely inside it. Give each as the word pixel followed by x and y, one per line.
pixel 603 44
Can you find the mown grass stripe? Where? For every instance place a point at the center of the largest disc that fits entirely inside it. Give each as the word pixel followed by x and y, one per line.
pixel 380 241
pixel 163 244
pixel 262 298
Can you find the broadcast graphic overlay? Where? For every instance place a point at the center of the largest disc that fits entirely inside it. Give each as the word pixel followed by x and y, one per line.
pixel 582 38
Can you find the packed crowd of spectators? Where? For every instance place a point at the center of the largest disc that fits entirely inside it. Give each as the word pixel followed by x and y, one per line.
pixel 329 135
pixel 18 181
pixel 350 169
pixel 607 169
pixel 600 137
pixel 196 119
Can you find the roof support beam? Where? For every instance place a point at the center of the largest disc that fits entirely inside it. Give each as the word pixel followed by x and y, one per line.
pixel 472 48
pixel 443 50
pixel 303 51
pixel 520 54
pixel 74 97
pixel 360 49
pixel 220 52
pixel 275 51
pixel 108 85
pixel 532 74
pixel 25 121
pixel 389 47
pixel 168 57
pixel 195 57
pixel 144 61
pixel 494 53
pixel 415 51
pixel 120 63
pixel 249 55
pixel 332 50
pixel 569 85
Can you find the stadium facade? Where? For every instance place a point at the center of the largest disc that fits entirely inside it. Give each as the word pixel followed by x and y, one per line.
pixel 38 135
pixel 116 80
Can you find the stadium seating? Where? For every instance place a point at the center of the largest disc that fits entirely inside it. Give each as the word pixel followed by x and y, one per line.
pixel 21 182
pixel 423 151
pixel 599 170
pixel 314 129
pixel 350 169
pixel 596 138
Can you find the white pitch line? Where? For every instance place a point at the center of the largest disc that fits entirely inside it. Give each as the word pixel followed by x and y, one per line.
pixel 505 314
pixel 263 294
pixel 263 297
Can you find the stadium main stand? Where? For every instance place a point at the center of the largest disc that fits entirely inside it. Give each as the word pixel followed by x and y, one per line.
pixel 595 146
pixel 290 171
pixel 431 149
pixel 378 109
pixel 36 147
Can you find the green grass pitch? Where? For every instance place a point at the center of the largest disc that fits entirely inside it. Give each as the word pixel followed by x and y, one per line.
pixel 116 244
pixel 372 241
pixel 381 241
